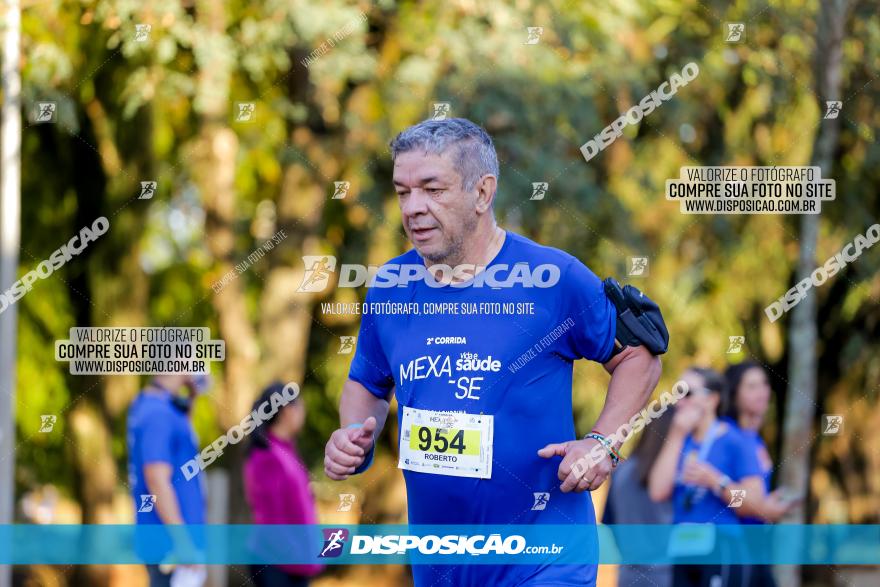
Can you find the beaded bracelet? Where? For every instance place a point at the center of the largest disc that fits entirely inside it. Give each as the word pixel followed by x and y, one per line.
pixel 613 454
pixel 609 445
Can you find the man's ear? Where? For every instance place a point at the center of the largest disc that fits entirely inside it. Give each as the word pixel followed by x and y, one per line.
pixel 486 187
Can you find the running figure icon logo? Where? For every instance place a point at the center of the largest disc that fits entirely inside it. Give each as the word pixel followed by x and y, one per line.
pixel 541 499
pixel 735 32
pixel 317 274
pixel 735 344
pixel 148 189
pixel 736 498
pixel 346 500
pixel 142 32
pixel 45 112
pixel 831 424
pixel 245 111
pixel 441 111
pixel 47 422
pixel 638 267
pixel 340 189
pixel 346 345
pixel 539 189
pixel 534 33
pixel 147 503
pixel 334 540
pixel 832 109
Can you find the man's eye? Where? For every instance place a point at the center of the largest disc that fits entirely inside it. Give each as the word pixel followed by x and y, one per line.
pixel 435 191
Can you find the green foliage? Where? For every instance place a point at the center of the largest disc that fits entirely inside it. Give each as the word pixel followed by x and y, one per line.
pixel 132 111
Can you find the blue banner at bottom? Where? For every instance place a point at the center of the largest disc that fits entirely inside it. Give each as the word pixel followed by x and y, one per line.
pixel 455 545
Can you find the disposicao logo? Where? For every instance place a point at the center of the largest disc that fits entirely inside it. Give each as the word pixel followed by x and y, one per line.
pixel 319 269
pixel 334 541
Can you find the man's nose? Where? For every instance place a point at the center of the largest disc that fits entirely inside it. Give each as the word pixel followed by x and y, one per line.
pixel 416 203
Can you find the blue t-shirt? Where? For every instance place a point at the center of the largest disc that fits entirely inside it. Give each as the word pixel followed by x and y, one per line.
pixel 158 432
pixel 756 445
pixel 529 395
pixel 733 456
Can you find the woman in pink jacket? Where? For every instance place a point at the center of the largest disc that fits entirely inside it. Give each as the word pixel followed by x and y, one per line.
pixel 276 485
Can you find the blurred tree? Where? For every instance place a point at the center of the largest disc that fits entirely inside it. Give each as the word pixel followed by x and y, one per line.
pixel 803 334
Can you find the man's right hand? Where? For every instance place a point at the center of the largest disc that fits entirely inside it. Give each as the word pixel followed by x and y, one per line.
pixel 347 449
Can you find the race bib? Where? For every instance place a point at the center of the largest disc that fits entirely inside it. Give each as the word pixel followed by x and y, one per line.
pixel 446 443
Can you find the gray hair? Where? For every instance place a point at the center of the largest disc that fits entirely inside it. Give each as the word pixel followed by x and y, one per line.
pixel 474 156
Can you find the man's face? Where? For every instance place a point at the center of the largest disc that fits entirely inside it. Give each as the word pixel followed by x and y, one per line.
pixel 437 214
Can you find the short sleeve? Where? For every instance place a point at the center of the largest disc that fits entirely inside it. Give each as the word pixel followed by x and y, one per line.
pixel 157 437
pixel 370 366
pixel 745 460
pixel 589 314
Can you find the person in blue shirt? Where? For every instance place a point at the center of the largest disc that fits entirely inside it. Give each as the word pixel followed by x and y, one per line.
pixel 486 430
pixel 160 440
pixel 746 407
pixel 707 468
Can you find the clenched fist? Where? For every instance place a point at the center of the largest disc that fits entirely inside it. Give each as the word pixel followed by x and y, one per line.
pixel 347 448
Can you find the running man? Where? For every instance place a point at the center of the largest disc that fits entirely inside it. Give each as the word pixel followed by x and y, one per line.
pixel 485 406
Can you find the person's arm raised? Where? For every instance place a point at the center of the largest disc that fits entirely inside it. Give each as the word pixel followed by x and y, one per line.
pixel 661 480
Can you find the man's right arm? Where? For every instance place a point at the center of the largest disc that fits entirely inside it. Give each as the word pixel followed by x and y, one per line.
pixel 362 415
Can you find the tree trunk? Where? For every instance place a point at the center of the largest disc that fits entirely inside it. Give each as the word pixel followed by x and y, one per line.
pixel 213 168
pixel 285 315
pixel 94 285
pixel 285 319
pixel 803 333
pixel 233 401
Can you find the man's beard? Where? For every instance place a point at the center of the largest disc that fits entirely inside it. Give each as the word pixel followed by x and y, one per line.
pixel 453 252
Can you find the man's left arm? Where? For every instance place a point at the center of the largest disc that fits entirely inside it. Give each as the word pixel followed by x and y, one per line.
pixel 634 375
pixel 607 314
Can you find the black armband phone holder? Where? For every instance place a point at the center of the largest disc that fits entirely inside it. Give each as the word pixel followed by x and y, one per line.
pixel 639 321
